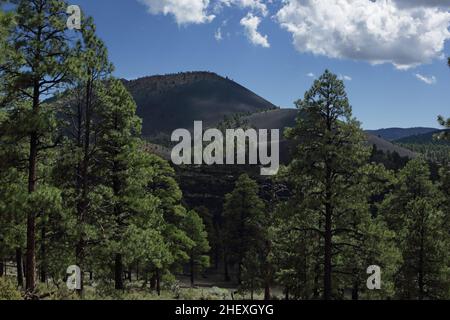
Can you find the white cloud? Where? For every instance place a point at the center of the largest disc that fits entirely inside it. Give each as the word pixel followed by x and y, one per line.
pixel 375 31
pixel 255 5
pixel 345 78
pixel 218 34
pixel 251 24
pixel 184 11
pixel 427 79
pixel 311 75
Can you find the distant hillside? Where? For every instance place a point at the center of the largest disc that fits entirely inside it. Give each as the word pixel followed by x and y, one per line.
pixel 169 102
pixel 425 138
pixel 392 134
pixel 435 150
pixel 282 118
pixel 388 146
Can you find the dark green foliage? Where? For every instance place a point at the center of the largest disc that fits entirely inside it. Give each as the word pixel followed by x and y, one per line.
pixel 413 211
pixel 243 217
pixel 329 217
pixel 198 253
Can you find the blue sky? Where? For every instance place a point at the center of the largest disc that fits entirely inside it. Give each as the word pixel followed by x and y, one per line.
pixel 264 47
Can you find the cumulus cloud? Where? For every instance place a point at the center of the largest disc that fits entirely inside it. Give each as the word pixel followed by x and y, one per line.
pixel 311 75
pixel 427 79
pixel 184 11
pixel 378 31
pixel 256 5
pixel 251 24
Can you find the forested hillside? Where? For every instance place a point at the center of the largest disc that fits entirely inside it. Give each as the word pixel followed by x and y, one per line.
pixel 428 145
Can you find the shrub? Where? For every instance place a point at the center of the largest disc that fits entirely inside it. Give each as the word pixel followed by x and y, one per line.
pixel 8 290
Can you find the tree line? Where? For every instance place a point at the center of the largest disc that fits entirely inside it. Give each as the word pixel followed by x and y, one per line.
pixel 344 213
pixel 77 186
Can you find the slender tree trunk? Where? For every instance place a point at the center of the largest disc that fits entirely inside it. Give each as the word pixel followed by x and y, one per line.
pixel 118 267
pixel 79 256
pixel 43 267
pixel 267 294
pixel 239 273
pixel 153 282
pixel 19 267
pixel 158 282
pixel 83 175
pixel 137 271
pixel 192 265
pixel 328 240
pixel 24 265
pixel 286 293
pixel 226 271
pixel 31 218
pixel 421 266
pixel 355 291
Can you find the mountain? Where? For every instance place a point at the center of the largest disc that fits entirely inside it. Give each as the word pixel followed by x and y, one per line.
pixel 387 146
pixel 425 138
pixel 392 134
pixel 437 151
pixel 169 102
pixel 166 103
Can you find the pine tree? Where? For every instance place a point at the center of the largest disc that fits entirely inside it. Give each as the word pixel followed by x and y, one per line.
pixel 243 213
pixel 80 111
pixel 444 122
pixel 413 211
pixel 327 174
pixel 198 258
pixel 119 129
pixel 164 186
pixel 40 65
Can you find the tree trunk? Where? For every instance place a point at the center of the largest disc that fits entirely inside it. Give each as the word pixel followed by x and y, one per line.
pixel 118 267
pixel 24 265
pixel 32 184
pixel 239 273
pixel 31 218
pixel 421 266
pixel 83 175
pixel 158 282
pixel 327 262
pixel 79 256
pixel 328 239
pixel 43 266
pixel 137 271
pixel 153 282
pixel 19 267
pixel 267 295
pixel 355 291
pixel 2 268
pixel 192 265
pixel 226 272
